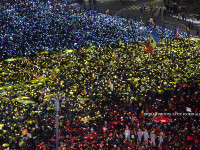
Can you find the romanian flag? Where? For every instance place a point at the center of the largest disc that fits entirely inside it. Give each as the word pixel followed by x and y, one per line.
pixel 21 3
pixel 176 32
pixel 77 8
pixel 153 40
pixel 121 89
pixel 109 82
pixel 107 11
pixel 133 55
pixel 142 113
pixel 84 92
pixel 187 28
pixel 151 20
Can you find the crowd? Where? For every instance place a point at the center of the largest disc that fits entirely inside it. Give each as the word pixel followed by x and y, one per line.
pixel 106 83
pixel 29 27
pixel 102 92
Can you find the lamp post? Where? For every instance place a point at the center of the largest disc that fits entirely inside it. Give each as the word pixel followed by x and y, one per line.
pixel 57 117
pixel 161 10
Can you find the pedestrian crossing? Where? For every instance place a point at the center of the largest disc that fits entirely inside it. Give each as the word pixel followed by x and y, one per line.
pixel 155 10
pixel 138 7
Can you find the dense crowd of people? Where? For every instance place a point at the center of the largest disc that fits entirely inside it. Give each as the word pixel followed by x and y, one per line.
pixel 29 27
pixel 118 86
pixel 112 93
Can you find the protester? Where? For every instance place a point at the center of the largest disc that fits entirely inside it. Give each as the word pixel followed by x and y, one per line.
pixel 127 134
pixel 105 86
pixel 146 136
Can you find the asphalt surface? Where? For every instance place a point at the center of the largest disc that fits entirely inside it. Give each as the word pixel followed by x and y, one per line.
pixel 132 8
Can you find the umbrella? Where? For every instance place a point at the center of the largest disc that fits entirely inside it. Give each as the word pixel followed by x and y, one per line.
pixel 90 136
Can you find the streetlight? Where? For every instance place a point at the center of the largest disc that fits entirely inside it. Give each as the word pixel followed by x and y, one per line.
pixel 57 117
pixel 161 10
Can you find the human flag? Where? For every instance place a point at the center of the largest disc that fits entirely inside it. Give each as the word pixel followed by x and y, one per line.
pixel 24 132
pixel 84 92
pixel 153 40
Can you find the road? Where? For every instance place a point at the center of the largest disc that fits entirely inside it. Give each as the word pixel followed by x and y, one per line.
pixel 132 8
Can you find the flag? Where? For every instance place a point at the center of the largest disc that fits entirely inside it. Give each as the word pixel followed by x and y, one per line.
pixel 151 20
pixel 21 3
pixel 120 43
pixel 153 40
pixel 36 78
pixel 187 28
pixel 142 113
pixel 77 8
pixel 107 11
pixel 121 89
pixel 176 32
pixel 182 99
pixel 109 82
pixel 133 55
pixel 84 92
pixel 24 132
